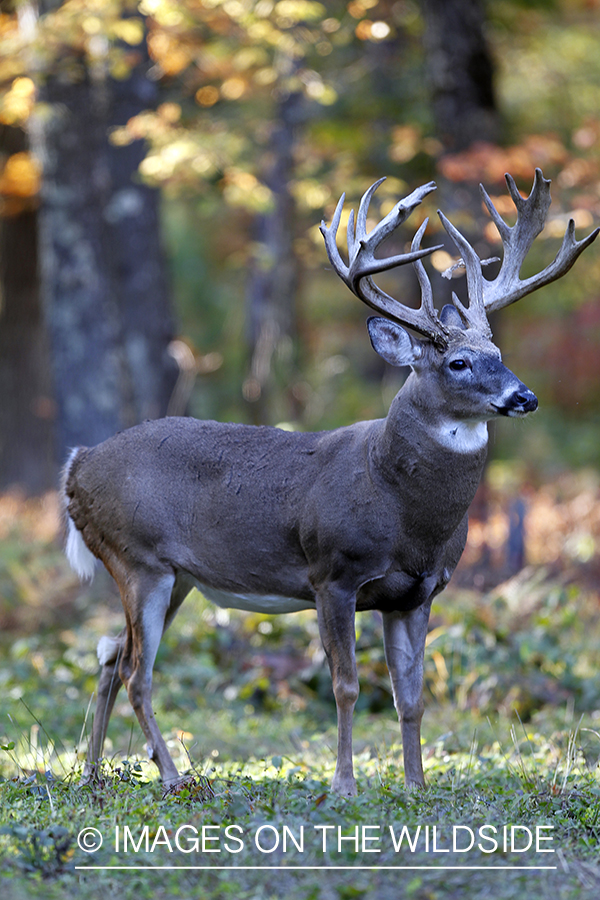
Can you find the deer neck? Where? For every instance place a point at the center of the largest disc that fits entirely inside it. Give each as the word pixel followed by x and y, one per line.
pixel 416 440
pixel 419 461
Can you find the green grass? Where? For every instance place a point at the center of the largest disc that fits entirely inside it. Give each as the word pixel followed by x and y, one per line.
pixel 254 805
pixel 511 739
pixel 266 748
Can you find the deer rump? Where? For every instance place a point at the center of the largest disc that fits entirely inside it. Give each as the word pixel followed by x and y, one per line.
pixel 252 515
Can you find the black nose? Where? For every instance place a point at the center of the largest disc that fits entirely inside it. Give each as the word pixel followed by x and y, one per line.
pixel 525 399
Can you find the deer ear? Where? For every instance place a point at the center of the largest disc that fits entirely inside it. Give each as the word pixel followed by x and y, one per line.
pixel 451 316
pixel 393 342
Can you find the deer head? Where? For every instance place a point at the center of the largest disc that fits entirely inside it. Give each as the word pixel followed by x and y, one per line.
pixel 455 350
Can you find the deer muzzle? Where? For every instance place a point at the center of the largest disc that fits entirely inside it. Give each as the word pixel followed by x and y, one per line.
pixel 521 402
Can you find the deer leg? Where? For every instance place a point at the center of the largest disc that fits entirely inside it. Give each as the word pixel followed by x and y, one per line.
pixel 336 627
pixel 404 636
pixel 146 600
pixel 109 652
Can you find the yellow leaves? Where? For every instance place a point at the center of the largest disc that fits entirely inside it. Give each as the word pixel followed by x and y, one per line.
pixel 249 58
pixel 358 8
pixel 168 52
pixel 291 12
pixel 233 88
pixel 311 194
pixel 406 143
pixel 164 12
pixel 129 30
pixel 441 260
pixel 169 112
pixel 207 96
pixel 161 165
pixel 316 89
pixel 245 190
pixel 263 8
pixel 18 102
pixel 148 125
pixel 265 76
pixel 19 182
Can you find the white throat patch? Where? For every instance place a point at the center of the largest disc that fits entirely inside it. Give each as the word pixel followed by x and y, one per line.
pixel 462 437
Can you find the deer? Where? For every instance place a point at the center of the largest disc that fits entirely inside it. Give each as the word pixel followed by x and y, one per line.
pixel 370 516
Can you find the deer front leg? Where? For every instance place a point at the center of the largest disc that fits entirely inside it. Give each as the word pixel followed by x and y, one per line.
pixel 336 610
pixel 404 636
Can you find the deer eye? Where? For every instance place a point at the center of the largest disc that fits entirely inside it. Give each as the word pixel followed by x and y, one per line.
pixel 458 365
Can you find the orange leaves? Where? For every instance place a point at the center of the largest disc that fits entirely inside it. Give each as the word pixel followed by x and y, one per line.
pixel 488 162
pixel 19 183
pixel 171 54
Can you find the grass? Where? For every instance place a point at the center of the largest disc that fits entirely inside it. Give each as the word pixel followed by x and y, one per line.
pixel 275 813
pixel 511 741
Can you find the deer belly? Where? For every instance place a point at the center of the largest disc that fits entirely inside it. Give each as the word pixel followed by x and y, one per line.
pixel 260 603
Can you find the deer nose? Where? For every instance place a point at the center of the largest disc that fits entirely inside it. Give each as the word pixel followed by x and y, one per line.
pixel 525 399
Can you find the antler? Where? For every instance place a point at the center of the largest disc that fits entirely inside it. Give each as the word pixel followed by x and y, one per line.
pixel 485 295
pixel 362 263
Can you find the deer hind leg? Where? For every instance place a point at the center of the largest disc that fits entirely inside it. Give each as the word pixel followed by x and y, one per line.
pixel 150 605
pixel 336 627
pixel 109 655
pixel 146 599
pixel 404 636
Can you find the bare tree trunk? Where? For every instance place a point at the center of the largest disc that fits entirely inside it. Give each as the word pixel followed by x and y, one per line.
pixel 26 393
pixel 137 260
pixel 103 283
pixel 461 78
pixel 273 281
pixel 461 72
pixel 80 306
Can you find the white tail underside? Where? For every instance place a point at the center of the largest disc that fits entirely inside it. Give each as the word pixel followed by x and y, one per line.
pixel 81 560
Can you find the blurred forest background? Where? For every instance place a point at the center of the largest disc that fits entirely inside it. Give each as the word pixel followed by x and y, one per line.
pixel 164 167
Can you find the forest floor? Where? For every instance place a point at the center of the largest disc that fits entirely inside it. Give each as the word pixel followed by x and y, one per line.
pixel 511 732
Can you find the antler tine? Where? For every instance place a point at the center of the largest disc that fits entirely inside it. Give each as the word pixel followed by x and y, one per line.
pixel 507 287
pixel 363 264
pixel 362 261
pixel 427 308
pixel 363 212
pixel 330 238
pixel 474 315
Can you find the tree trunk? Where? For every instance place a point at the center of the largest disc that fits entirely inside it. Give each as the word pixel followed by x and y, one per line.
pixel 26 393
pixel 461 78
pixel 273 281
pixel 137 261
pixel 461 72
pixel 103 282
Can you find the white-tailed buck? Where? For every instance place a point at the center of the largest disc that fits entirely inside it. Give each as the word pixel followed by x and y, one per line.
pixel 368 517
